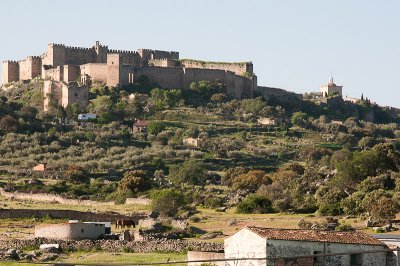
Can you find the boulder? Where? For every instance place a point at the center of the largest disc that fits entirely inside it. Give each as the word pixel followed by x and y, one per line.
pixel 211 235
pixel 180 224
pixel 150 224
pixel 50 248
pixel 233 222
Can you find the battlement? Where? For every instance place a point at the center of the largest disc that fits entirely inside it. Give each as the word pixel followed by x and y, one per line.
pixel 34 57
pixel 57 44
pixel 111 51
pixel 10 62
pixel 79 48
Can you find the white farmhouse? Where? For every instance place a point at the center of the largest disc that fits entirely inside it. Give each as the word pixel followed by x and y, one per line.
pixel 257 242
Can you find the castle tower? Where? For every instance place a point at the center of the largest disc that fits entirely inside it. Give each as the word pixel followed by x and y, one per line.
pixel 10 72
pixel 114 67
pixel 101 52
pixel 330 89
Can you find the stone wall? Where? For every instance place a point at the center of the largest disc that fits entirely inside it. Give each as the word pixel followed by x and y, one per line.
pixel 280 94
pixel 69 214
pixel 113 69
pixel 237 68
pixel 204 256
pixel 97 72
pixel 44 197
pixel 30 68
pixel 117 245
pixel 75 94
pixel 165 77
pixel 71 73
pixel 10 71
pixel 164 62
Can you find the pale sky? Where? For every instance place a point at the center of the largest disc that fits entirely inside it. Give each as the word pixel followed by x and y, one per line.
pixel 293 44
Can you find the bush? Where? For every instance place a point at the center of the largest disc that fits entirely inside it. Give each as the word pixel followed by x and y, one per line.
pixel 167 202
pixel 155 127
pixel 331 209
pixel 255 204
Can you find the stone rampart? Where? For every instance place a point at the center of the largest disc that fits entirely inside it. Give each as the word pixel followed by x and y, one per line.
pixel 117 245
pixel 238 68
pixel 96 71
pixel 68 214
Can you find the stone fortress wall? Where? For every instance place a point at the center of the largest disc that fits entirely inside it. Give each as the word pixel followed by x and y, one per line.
pixel 71 69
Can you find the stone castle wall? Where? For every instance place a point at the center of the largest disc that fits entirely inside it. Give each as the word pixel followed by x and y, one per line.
pixel 280 94
pixel 165 77
pixel 237 68
pixel 10 71
pixel 71 73
pixel 96 71
pixel 74 93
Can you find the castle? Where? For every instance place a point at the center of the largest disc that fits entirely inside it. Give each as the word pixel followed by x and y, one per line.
pixel 68 71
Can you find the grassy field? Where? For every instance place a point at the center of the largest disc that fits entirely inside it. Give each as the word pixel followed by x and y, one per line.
pixel 98 258
pixel 127 258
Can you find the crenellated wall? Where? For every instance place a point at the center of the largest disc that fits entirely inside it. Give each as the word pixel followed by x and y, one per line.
pixel 30 68
pixel 10 71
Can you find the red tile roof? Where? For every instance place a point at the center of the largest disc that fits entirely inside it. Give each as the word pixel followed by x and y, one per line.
pixel 141 123
pixel 316 236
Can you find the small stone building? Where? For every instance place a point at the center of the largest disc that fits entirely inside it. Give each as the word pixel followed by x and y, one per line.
pixel 257 242
pixel 192 142
pixel 269 121
pixel 41 167
pixel 140 127
pixel 73 231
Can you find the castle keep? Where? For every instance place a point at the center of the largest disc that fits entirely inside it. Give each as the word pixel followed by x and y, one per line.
pixel 68 71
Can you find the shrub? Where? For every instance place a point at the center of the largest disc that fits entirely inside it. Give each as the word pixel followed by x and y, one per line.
pixel 255 204
pixel 155 127
pixel 167 201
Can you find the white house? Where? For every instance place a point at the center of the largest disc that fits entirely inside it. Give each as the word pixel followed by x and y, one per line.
pixel 73 230
pixel 257 242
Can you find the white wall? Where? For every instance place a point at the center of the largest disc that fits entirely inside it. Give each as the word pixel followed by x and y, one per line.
pixel 245 244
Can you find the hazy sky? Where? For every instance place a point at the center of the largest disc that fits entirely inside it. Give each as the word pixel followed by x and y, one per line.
pixel 293 45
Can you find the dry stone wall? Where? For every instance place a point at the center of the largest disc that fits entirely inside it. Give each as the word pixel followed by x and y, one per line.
pixel 117 245
pixel 50 198
pixel 69 214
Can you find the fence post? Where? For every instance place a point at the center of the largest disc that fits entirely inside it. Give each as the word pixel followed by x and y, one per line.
pixel 397 255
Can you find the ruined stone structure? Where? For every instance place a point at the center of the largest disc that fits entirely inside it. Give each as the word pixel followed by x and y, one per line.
pixel 69 71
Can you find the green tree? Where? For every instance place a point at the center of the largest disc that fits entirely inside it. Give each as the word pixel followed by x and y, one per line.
pixel 155 127
pixel 167 201
pixel 134 181
pixel 384 210
pixel 8 124
pixel 298 119
pixel 191 172
pixel 255 204
pixel 77 174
